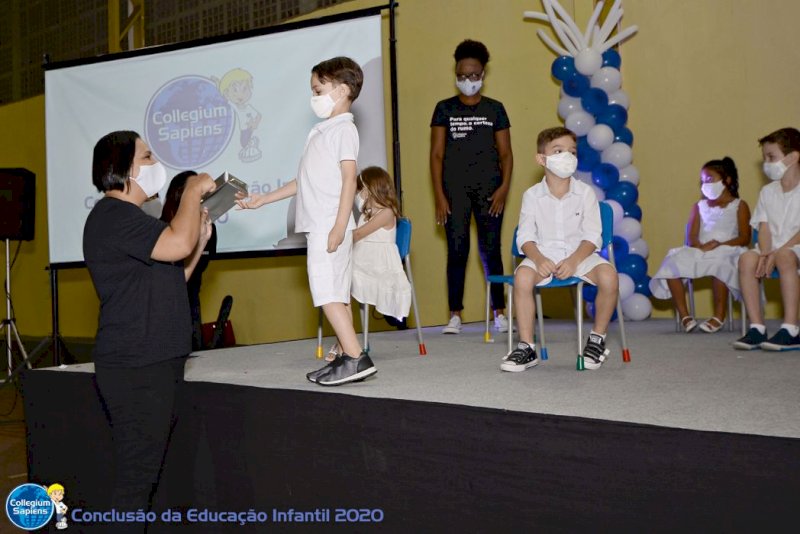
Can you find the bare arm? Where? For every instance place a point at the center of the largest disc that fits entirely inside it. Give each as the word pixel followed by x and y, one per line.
pixel 383 219
pixel 502 139
pixel 178 240
pixel 693 228
pixel 197 253
pixel 348 194
pixel 437 161
pixel 289 189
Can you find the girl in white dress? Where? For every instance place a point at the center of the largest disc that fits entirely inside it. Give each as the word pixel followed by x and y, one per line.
pixel 716 235
pixel 378 276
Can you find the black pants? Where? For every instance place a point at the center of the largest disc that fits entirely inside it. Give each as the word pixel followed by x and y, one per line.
pixel 140 405
pixel 466 201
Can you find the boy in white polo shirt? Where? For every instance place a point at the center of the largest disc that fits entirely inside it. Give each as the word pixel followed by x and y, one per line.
pixel 777 219
pixel 325 187
pixel 560 233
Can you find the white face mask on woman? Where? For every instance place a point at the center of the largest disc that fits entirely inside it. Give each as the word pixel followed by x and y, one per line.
pixel 151 178
pixel 774 169
pixel 713 190
pixel 563 164
pixel 468 87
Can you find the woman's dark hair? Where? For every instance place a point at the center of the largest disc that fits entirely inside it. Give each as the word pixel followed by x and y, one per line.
pixel 472 50
pixel 726 169
pixel 174 192
pixel 113 159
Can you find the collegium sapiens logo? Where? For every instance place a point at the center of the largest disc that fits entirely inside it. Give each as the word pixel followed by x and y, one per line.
pixel 29 506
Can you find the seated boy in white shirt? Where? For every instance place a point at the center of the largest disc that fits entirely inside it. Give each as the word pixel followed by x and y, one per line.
pixel 560 233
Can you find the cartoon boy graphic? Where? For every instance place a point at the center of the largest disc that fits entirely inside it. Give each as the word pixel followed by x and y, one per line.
pixel 237 87
pixel 56 493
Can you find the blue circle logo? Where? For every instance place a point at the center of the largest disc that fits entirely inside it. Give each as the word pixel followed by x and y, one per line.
pixel 29 507
pixel 188 123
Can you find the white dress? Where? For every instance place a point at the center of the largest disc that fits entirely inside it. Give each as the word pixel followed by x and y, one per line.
pixel 378 275
pixel 716 223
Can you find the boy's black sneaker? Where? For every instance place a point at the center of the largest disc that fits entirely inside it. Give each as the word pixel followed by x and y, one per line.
pixel 519 359
pixel 782 340
pixel 595 352
pixel 751 340
pixel 348 369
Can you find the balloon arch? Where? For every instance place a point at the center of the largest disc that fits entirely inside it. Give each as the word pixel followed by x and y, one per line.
pixel 594 106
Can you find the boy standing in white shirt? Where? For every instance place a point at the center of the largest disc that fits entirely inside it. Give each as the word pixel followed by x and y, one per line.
pixel 777 219
pixel 325 187
pixel 560 232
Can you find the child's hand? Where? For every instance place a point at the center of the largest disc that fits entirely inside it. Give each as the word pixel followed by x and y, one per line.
pixel 546 267
pixel 335 239
pixel 711 245
pixel 765 265
pixel 566 268
pixel 244 202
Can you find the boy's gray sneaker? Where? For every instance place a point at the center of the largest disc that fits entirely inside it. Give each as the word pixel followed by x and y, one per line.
pixel 346 369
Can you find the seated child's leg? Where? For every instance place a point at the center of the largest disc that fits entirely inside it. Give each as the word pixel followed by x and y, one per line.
pixel 341 320
pixel 787 264
pixel 605 277
pixel 525 279
pixel 678 296
pixel 749 285
pixel 720 292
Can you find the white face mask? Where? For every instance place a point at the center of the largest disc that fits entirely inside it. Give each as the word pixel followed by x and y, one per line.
pixel 323 105
pixel 775 170
pixel 713 190
pixel 151 178
pixel 469 88
pixel 563 164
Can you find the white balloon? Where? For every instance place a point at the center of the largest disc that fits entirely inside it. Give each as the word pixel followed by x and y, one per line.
pixel 619 213
pixel 588 61
pixel 608 79
pixel 620 98
pixel 598 192
pixel 600 137
pixel 636 307
pixel 618 154
pixel 568 105
pixel 629 229
pixel 639 247
pixel 629 174
pixel 626 286
pixel 579 122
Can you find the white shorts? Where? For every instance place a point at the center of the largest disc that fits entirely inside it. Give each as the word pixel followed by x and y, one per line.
pixel 329 274
pixel 584 268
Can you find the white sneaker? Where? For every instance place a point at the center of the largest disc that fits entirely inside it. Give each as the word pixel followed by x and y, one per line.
pixel 501 323
pixel 454 326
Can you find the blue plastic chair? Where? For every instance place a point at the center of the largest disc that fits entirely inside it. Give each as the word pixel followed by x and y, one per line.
pixel 607 220
pixel 403 241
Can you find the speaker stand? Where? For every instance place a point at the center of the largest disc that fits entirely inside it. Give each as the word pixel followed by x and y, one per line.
pixel 9 324
pixel 61 354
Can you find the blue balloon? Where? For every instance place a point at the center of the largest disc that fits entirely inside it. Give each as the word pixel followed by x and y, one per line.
pixel 605 175
pixel 563 68
pixel 623 135
pixel 611 58
pixel 642 286
pixel 615 116
pixel 594 100
pixel 625 193
pixel 575 85
pixel 633 265
pixel 588 158
pixel 633 211
pixel 589 292
pixel 621 247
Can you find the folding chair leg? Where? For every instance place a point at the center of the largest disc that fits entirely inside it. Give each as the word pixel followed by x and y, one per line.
pixel 626 354
pixel 319 335
pixel 579 320
pixel 487 337
pixel 690 287
pixel 744 317
pixel 540 318
pixel 422 350
pixel 365 325
pixel 730 312
pixel 510 303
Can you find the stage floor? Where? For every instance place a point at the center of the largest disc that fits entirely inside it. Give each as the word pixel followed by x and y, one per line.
pixel 695 381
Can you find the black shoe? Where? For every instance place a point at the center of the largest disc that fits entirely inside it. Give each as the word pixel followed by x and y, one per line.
pixel 752 340
pixel 314 375
pixel 348 370
pixel 519 359
pixel 595 352
pixel 782 340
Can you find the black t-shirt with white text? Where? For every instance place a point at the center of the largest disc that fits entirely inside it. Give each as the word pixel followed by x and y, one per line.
pixel 470 152
pixel 144 308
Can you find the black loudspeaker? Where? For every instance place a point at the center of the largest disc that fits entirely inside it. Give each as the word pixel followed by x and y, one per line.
pixel 17 204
